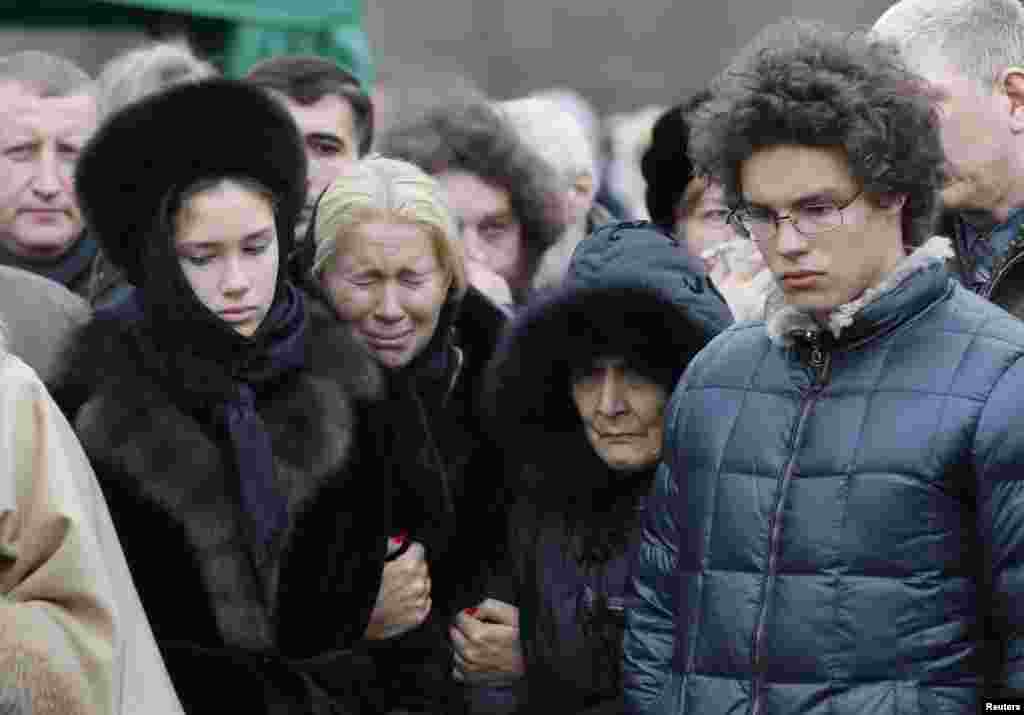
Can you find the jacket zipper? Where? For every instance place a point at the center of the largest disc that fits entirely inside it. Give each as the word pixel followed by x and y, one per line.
pixel 821 361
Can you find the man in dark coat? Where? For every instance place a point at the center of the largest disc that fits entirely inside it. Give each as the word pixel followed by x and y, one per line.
pixel 47 113
pixel 972 54
pixel 837 524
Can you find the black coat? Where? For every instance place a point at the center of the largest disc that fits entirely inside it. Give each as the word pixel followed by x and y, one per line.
pixel 287 639
pixel 447 460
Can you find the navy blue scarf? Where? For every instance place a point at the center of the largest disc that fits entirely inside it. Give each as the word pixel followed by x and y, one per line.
pixel 250 365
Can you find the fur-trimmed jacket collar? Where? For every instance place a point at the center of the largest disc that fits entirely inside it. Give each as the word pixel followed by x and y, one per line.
pixel 785 323
pixel 156 457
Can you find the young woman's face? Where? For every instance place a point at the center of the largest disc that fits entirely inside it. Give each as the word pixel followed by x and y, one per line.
pixel 386 281
pixel 622 413
pixel 226 242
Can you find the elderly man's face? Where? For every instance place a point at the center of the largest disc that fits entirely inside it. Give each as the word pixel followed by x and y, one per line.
pixel 40 139
pixel 976 137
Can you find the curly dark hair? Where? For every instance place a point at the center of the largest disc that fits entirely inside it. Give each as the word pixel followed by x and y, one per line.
pixel 474 138
pixel 804 83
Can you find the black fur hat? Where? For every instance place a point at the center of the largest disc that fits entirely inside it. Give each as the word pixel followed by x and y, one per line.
pixel 666 165
pixel 144 156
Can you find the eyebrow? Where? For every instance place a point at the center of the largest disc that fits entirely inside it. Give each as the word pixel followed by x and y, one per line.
pixel 255 235
pixel 504 217
pixel 820 196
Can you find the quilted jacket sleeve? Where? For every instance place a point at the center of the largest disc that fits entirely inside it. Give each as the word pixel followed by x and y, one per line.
pixel 650 620
pixel 999 455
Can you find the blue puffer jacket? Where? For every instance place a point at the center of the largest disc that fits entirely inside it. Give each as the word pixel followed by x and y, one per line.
pixel 838 523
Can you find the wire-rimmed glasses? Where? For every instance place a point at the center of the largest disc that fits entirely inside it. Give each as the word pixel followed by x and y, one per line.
pixel 761 224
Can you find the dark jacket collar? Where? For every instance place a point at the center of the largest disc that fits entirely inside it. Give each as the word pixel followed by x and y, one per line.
pixel 69 270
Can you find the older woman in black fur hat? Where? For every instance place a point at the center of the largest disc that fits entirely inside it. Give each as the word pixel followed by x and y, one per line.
pixel 226 416
pixel 578 389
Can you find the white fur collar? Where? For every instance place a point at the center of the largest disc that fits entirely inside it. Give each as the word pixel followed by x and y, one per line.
pixel 784 320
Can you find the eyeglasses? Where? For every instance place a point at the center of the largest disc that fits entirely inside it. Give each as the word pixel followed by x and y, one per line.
pixel 762 224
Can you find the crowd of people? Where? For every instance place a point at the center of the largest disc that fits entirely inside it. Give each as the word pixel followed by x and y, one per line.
pixel 303 415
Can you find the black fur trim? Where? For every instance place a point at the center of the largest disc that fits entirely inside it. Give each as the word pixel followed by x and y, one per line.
pixel 528 386
pixel 166 142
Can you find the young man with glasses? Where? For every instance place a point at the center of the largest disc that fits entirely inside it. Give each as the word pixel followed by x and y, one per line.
pixel 838 521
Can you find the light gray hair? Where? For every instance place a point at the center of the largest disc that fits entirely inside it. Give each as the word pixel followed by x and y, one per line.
pixel 138 73
pixel 554 134
pixel 49 75
pixel 978 38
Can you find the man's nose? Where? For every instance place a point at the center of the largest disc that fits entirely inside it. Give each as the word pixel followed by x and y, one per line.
pixel 47 182
pixel 473 246
pixel 788 240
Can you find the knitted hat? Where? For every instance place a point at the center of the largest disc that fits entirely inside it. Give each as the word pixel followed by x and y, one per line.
pixel 145 155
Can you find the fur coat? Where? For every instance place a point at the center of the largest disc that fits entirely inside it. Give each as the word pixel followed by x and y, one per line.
pixel 286 638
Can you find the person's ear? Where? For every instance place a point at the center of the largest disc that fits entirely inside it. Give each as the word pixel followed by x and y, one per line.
pixel 1011 83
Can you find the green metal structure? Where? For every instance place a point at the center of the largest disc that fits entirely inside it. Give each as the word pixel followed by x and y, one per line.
pixel 241 32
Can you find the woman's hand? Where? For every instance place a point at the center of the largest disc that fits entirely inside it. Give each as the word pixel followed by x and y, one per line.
pixel 403 601
pixel 740 273
pixel 486 640
pixel 489 283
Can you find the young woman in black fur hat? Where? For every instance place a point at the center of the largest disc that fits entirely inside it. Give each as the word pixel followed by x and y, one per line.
pixel 228 418
pixel 578 389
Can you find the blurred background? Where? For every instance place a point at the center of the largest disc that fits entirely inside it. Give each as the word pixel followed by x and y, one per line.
pixel 625 61
pixel 620 54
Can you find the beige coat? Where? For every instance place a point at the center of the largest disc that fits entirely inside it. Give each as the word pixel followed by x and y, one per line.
pixel 73 636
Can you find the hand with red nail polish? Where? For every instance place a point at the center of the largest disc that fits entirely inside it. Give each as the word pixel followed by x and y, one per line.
pixel 403 601
pixel 486 643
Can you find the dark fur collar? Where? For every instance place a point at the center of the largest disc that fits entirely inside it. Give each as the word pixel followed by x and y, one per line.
pixel 139 437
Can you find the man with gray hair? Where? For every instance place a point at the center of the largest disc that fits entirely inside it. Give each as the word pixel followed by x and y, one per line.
pixel 47 113
pixel 972 54
pixel 558 137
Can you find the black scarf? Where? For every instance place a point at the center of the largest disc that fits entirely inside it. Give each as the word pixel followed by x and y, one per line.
pixel 220 373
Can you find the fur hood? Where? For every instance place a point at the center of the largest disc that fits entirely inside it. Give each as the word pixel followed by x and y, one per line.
pixel 528 393
pixel 784 321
